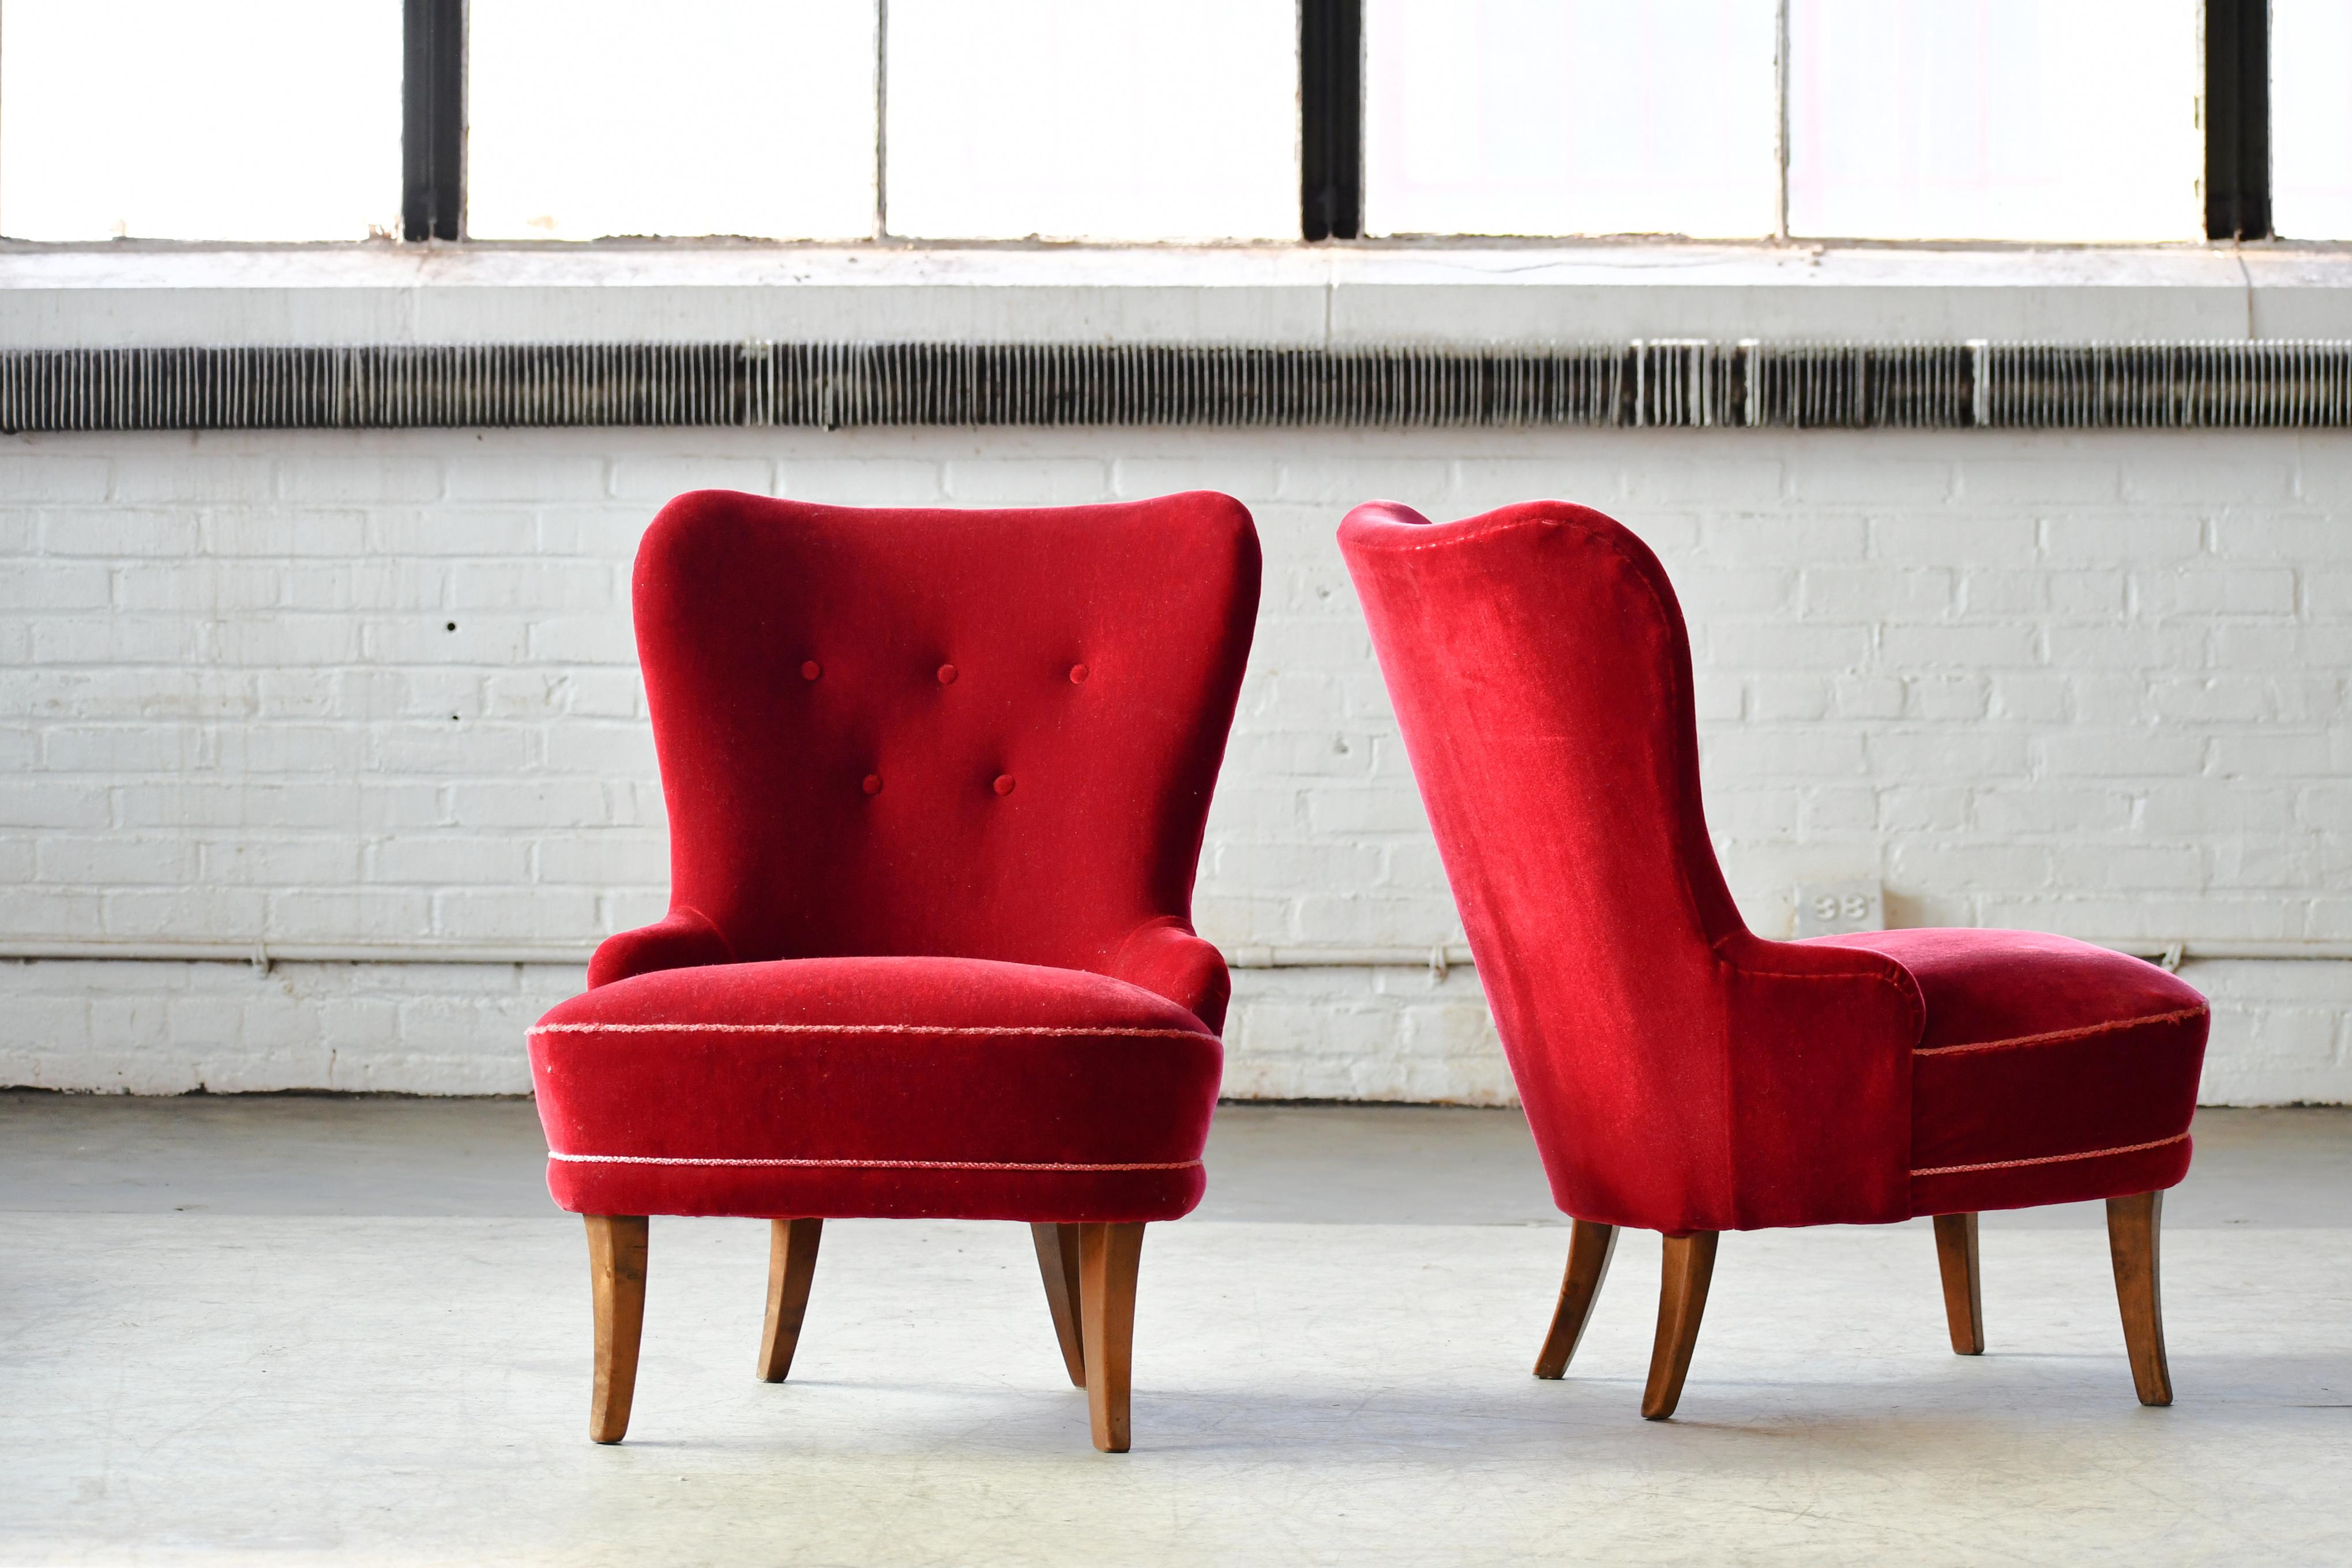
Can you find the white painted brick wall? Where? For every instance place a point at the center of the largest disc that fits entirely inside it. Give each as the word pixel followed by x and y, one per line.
pixel 350 688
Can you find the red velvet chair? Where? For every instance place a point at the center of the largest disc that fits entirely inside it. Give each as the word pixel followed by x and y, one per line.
pixel 936 783
pixel 1679 1074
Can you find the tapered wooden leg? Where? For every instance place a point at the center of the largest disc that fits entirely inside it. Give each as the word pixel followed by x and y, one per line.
pixel 1057 1263
pixel 1107 1258
pixel 2132 1224
pixel 1590 1249
pixel 1956 1255
pixel 1682 1302
pixel 616 1282
pixel 792 1267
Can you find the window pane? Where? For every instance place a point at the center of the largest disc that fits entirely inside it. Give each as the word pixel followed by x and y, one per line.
pixel 2057 120
pixel 1558 116
pixel 239 119
pixel 2311 118
pixel 700 117
pixel 1081 119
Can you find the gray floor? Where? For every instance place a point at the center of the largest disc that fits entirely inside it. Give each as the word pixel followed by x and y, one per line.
pixel 294 1327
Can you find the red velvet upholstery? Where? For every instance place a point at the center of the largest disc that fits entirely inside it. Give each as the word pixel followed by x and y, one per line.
pixel 1679 1073
pixel 2040 1051
pixel 876 1086
pixel 937 781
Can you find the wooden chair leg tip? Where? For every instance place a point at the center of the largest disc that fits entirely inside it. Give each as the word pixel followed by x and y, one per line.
pixel 1688 1267
pixel 616 1275
pixel 1589 1247
pixel 1107 1256
pixel 792 1270
pixel 1057 1248
pixel 2134 1225
pixel 1955 1260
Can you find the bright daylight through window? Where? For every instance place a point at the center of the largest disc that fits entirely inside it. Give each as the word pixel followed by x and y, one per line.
pixel 730 116
pixel 1539 117
pixel 944 120
pixel 1120 122
pixel 2311 118
pixel 1999 119
pixel 256 120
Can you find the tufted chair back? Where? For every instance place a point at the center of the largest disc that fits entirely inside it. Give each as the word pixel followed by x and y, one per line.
pixel 964 734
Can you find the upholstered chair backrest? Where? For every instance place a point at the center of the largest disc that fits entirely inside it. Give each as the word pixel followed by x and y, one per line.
pixel 975 734
pixel 1541 676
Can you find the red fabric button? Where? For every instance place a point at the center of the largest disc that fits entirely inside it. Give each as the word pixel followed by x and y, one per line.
pixel 946 675
pixel 811 670
pixel 874 783
pixel 1077 675
pixel 1005 783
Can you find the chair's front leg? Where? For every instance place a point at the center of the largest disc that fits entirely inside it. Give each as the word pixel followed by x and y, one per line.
pixel 616 1284
pixel 1589 1247
pixel 2132 1224
pixel 1108 1256
pixel 1955 1259
pixel 792 1269
pixel 1057 1265
pixel 1682 1302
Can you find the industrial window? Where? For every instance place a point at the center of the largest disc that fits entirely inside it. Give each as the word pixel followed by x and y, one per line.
pixel 945 120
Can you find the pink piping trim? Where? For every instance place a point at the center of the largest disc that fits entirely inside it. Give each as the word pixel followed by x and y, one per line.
pixel 2057 1034
pixel 2049 1159
pixel 1049 1029
pixel 881 1164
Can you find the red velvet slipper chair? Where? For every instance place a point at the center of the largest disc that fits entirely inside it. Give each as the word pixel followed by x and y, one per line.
pixel 936 784
pixel 1679 1074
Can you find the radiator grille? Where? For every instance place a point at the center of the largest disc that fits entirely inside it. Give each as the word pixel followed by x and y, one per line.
pixel 2249 385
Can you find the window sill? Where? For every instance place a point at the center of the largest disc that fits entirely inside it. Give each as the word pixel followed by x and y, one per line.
pixel 1282 296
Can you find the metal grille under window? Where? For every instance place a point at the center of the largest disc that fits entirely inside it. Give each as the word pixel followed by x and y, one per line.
pixel 1643 383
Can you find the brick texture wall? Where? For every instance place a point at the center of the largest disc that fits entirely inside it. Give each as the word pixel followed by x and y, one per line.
pixel 355 688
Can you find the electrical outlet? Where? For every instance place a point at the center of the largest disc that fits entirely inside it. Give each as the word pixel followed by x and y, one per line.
pixel 1829 908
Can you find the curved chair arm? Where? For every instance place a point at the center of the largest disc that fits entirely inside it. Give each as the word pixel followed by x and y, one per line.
pixel 1830 959
pixel 1164 958
pixel 683 939
pixel 1819 1082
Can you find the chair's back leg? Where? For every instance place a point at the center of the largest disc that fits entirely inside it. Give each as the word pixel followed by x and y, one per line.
pixel 616 1283
pixel 792 1269
pixel 1682 1302
pixel 1057 1264
pixel 1108 1256
pixel 1956 1255
pixel 1590 1249
pixel 2132 1225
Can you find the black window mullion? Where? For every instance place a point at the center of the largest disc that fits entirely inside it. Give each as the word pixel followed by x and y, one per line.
pixel 433 119
pixel 2237 120
pixel 1330 118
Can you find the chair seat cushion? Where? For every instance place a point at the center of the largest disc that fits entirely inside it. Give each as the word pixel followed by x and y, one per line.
pixel 842 1087
pixel 2049 1070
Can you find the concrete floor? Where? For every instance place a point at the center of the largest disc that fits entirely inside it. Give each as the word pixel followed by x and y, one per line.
pixel 291 1328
